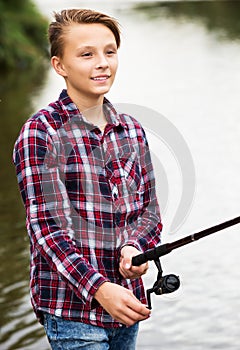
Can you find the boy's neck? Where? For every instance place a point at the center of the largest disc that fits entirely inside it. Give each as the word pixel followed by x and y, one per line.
pixel 91 109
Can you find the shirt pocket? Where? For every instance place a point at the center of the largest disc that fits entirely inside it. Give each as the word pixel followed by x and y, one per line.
pixel 124 174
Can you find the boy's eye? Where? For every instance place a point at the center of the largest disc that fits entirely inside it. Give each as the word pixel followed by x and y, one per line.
pixel 111 52
pixel 86 54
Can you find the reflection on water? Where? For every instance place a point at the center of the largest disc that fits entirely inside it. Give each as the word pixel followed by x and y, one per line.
pixel 18 326
pixel 206 315
pixel 221 17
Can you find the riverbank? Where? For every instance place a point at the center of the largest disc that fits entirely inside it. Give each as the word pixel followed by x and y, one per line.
pixel 23 40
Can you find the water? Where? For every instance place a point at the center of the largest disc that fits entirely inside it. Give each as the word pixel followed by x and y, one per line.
pixel 182 60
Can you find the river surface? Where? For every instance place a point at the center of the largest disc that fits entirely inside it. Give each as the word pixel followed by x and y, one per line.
pixel 179 64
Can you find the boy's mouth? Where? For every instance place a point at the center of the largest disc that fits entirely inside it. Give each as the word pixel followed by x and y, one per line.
pixel 101 77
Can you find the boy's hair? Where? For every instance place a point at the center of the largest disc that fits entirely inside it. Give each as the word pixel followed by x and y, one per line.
pixel 81 16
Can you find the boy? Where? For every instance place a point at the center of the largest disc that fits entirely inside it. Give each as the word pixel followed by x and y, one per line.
pixel 86 179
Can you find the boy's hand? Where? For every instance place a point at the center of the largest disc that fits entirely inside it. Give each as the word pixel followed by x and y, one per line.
pixel 125 267
pixel 121 304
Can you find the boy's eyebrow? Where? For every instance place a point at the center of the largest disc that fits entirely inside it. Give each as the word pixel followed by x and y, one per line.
pixel 86 47
pixel 89 47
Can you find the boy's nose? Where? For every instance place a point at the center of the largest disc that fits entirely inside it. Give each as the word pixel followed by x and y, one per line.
pixel 102 63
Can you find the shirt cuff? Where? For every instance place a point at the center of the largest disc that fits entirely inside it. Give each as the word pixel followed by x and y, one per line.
pixel 133 244
pixel 87 290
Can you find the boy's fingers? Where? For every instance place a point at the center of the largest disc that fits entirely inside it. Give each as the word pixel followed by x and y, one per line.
pixel 134 271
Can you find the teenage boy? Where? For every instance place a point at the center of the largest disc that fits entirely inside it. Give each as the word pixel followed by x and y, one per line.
pixel 86 179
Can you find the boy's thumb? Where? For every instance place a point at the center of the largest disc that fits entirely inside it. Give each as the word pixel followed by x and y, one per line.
pixel 127 263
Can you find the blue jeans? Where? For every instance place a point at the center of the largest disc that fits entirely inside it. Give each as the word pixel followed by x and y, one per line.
pixel 70 335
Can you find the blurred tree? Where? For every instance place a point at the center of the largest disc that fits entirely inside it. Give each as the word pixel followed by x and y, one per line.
pixel 23 40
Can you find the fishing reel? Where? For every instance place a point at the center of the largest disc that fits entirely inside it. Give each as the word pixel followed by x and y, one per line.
pixel 163 285
pixel 170 283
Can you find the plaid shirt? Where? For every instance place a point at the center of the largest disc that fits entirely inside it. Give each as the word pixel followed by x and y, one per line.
pixel 86 193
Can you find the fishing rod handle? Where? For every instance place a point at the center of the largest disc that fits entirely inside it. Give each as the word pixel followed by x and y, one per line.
pixel 151 254
pixel 139 260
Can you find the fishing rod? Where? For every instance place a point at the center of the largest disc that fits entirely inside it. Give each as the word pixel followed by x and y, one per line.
pixel 170 283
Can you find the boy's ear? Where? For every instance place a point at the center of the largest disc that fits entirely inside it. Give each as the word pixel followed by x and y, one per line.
pixel 58 66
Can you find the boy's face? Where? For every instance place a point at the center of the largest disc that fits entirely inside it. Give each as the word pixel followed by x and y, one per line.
pixel 89 61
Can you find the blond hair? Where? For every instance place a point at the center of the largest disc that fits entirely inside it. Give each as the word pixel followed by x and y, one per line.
pixel 82 16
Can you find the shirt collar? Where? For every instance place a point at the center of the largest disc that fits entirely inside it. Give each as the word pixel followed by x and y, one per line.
pixel 69 107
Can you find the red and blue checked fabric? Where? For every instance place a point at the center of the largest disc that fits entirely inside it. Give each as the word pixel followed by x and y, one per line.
pixel 86 193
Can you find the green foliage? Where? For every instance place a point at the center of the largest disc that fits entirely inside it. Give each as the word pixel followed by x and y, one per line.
pixel 23 39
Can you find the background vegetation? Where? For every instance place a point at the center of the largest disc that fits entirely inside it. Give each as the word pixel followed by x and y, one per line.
pixel 23 40
pixel 220 17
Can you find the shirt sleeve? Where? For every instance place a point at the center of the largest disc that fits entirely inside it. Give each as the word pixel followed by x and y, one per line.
pixel 48 209
pixel 145 232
